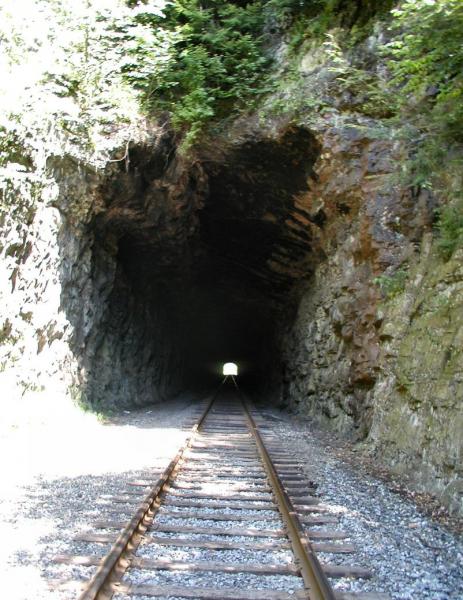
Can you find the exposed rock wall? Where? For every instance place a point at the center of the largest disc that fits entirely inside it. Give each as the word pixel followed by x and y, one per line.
pixel 75 319
pixel 35 333
pixel 127 341
pixel 375 348
pixel 417 425
pixel 67 120
pixel 363 230
pixel 134 351
pixel 396 380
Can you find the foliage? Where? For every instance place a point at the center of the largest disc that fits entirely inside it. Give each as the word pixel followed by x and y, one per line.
pixel 6 331
pixel 427 59
pixel 62 76
pixel 210 61
pixel 426 62
pixel 12 148
pixel 79 399
pixel 314 19
pixel 367 94
pixel 424 59
pixel 450 227
pixel 392 285
pixel 206 60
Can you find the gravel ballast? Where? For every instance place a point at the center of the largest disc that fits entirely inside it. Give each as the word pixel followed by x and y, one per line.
pixel 412 557
pixel 44 506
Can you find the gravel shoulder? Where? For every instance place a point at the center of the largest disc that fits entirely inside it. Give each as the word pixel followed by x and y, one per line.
pixel 57 474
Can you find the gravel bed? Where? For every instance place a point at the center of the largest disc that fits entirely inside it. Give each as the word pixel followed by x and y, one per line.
pixel 411 556
pixel 223 493
pixel 214 470
pixel 220 500
pixel 211 479
pixel 227 455
pixel 179 522
pixel 239 539
pixel 203 510
pixel 155 551
pixel 200 486
pixel 220 482
pixel 216 580
pixel 233 444
pixel 224 490
pixel 112 515
pixel 217 465
pixel 66 572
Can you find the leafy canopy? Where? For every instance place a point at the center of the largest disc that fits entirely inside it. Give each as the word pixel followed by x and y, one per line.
pixel 209 60
pixel 427 60
pixel 451 229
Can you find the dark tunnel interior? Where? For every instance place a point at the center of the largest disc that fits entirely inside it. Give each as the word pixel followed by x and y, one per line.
pixel 206 268
pixel 212 314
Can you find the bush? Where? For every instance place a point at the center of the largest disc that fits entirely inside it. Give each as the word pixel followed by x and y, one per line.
pixel 450 227
pixel 426 61
pixel 210 61
pixel 314 19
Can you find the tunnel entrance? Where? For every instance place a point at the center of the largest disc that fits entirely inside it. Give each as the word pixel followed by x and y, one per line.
pixel 195 263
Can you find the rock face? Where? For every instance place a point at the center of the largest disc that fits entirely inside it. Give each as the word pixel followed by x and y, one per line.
pixel 418 422
pixel 373 350
pixel 166 266
pixel 388 371
pixel 364 233
pixel 283 243
pixel 77 317
pixel 128 340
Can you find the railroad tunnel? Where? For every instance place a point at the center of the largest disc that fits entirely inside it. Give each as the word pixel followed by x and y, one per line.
pixel 195 264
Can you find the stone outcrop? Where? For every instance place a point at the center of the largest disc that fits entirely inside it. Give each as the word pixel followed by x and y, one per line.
pixel 284 242
pixel 364 233
pixel 75 319
pixel 373 350
pixel 418 423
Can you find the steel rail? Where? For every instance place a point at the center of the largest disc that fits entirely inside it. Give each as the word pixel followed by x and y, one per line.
pixel 315 580
pixel 103 584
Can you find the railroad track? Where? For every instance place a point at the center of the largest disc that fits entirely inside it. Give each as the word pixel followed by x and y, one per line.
pixel 232 517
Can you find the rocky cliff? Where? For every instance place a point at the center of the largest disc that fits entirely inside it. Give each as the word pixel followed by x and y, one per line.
pixel 289 237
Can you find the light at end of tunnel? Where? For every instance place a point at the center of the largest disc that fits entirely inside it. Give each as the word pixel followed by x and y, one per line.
pixel 230 369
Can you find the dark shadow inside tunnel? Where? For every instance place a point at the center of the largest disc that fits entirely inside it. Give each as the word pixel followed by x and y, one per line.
pixel 195 321
pixel 196 264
